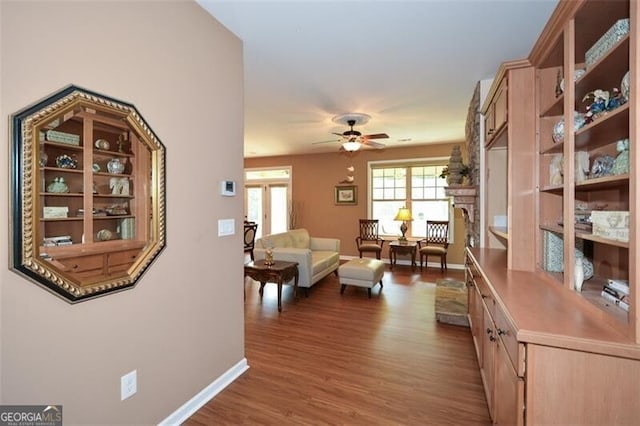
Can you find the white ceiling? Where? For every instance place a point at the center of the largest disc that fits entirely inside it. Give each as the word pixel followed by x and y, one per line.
pixel 411 65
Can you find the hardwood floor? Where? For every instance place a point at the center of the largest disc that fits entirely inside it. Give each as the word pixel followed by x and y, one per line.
pixel 349 360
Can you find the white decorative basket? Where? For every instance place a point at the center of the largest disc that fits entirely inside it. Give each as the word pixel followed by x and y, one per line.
pixel 606 42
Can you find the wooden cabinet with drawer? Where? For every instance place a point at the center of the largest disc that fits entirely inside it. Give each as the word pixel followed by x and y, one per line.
pixel 542 354
pixel 91 267
pixel 500 356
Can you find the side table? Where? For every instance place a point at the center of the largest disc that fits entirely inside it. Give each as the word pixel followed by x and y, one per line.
pixel 280 272
pixel 402 248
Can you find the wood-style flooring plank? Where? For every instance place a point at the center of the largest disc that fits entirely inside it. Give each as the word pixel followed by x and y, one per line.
pixel 350 360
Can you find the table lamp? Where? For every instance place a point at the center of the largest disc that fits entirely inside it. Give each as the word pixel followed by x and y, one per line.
pixel 404 214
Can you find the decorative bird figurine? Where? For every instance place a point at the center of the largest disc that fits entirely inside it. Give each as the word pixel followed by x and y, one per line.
pixel 350 177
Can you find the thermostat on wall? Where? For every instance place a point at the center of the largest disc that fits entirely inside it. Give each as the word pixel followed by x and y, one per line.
pixel 228 188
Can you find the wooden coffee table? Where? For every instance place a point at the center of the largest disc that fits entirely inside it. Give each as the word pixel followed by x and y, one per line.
pixel 402 247
pixel 280 272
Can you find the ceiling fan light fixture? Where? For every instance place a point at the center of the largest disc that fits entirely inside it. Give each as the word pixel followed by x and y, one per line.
pixel 351 146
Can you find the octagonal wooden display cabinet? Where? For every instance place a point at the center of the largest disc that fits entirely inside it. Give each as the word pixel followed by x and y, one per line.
pixel 88 194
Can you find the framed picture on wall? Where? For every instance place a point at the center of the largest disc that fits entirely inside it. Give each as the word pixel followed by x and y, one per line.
pixel 346 195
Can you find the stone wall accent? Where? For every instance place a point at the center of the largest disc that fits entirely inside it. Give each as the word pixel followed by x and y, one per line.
pixel 472 137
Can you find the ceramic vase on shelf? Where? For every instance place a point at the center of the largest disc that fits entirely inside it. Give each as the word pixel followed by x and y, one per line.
pixel 115 166
pixel 578 274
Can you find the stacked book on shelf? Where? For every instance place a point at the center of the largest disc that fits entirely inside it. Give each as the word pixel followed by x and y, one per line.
pixel 617 292
pixel 60 137
pixel 55 212
pixel 62 240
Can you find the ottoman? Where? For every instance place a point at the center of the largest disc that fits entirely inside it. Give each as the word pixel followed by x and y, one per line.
pixel 361 273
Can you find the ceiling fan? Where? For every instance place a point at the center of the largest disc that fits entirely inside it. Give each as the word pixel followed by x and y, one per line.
pixel 352 140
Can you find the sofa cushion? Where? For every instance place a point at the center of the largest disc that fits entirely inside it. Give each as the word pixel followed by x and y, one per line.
pixel 321 260
pixel 299 238
pixel 296 238
pixel 277 240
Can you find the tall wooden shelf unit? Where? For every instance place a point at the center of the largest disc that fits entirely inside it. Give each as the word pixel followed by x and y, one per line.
pixel 611 258
pixel 509 173
pixel 549 354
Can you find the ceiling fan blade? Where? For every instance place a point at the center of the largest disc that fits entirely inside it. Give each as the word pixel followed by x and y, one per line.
pixel 377 136
pixel 337 134
pixel 331 141
pixel 373 144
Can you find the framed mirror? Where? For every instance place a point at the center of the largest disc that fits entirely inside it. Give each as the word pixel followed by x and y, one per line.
pixel 87 196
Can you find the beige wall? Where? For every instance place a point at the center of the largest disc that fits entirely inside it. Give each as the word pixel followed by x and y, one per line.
pixel 182 326
pixel 316 175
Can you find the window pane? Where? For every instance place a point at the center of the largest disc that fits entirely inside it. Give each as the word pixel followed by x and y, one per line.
pixel 385 211
pixel 267 174
pixel 278 209
pixel 427 210
pixel 425 197
pixel 389 193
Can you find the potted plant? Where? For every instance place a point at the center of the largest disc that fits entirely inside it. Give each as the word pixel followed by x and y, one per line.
pixel 464 172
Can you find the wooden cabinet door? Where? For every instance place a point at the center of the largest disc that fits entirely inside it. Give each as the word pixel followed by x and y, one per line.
pixel 488 359
pixel 489 125
pixel 509 390
pixel 500 106
pixel 476 319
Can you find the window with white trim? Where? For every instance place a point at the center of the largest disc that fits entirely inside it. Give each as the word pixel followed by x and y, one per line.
pixel 416 185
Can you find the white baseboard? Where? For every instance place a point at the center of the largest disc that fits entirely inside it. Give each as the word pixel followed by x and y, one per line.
pixel 205 395
pixel 407 262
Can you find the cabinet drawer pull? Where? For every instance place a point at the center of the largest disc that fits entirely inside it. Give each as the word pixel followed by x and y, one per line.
pixel 489 331
pixel 493 339
pixel 484 296
pixel 75 266
pixel 501 332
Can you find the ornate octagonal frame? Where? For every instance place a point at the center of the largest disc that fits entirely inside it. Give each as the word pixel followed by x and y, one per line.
pixel 75 242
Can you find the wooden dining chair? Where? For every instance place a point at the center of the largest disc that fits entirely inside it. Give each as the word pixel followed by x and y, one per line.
pixel 369 240
pixel 436 243
pixel 250 229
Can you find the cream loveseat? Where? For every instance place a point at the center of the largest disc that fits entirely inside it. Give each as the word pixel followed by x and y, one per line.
pixel 316 257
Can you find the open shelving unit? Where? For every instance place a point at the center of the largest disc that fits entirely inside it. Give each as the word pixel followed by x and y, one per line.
pixel 558 203
pixel 88 199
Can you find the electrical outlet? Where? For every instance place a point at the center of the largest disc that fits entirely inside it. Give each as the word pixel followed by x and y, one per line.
pixel 128 385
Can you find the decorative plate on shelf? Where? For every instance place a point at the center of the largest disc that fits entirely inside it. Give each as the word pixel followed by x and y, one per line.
pixel 96 167
pixel 105 235
pixel 66 162
pixel 576 75
pixel 625 87
pixel 102 144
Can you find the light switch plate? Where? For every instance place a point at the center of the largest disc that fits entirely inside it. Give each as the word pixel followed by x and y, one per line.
pixel 226 227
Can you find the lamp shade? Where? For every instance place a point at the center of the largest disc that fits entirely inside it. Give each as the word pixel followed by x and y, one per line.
pixel 351 146
pixel 404 214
